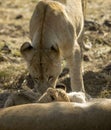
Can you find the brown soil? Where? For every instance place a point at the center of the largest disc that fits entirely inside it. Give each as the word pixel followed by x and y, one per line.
pixel 14 30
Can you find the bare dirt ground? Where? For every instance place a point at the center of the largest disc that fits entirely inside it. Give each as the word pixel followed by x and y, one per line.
pixel 14 30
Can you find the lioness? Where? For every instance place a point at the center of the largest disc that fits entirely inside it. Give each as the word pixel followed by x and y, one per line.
pixel 55 28
pixel 58 116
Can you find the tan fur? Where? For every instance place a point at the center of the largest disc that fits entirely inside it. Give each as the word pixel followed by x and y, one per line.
pixel 55 27
pixel 58 116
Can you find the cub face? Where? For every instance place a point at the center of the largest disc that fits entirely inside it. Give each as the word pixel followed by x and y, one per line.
pixel 44 65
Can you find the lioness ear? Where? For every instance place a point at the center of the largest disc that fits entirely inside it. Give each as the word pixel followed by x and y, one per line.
pixel 27 51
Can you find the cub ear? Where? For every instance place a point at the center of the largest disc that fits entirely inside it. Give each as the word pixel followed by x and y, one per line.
pixel 27 51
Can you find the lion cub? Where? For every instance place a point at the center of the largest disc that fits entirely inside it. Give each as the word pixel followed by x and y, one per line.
pixel 59 94
pixel 26 95
pixel 55 29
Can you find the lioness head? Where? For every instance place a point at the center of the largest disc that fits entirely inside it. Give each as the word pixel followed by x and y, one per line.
pixel 44 65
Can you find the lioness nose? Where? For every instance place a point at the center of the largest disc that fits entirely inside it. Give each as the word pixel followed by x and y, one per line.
pixel 42 87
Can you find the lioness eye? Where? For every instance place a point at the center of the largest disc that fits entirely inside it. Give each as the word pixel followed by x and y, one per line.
pixel 36 80
pixel 50 78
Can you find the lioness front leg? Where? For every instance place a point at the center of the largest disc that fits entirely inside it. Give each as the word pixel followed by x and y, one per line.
pixel 75 65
